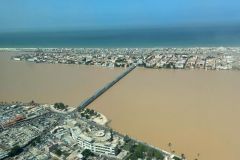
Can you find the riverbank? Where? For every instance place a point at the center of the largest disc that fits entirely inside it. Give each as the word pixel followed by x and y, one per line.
pixel 218 58
pixel 70 84
pixel 154 106
pixel 73 128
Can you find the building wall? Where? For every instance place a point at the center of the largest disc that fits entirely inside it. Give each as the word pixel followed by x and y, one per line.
pixel 97 147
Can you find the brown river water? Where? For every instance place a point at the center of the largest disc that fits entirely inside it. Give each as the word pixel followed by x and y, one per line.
pixel 197 111
pixel 50 83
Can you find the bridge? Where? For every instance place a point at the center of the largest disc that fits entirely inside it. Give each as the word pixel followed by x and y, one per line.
pixel 99 92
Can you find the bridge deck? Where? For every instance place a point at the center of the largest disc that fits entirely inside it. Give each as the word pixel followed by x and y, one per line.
pixel 99 92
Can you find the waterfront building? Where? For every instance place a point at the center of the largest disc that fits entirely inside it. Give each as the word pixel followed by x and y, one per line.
pixel 97 142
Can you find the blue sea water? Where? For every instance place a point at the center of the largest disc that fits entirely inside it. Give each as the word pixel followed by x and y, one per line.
pixel 168 37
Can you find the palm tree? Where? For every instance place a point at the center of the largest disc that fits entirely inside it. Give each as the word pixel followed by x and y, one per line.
pixel 32 102
pixel 170 146
pixel 183 156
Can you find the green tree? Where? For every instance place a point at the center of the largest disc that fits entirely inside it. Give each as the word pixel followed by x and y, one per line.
pixel 158 155
pixel 87 110
pixel 176 158
pixel 126 139
pixel 15 151
pixel 91 112
pixel 87 116
pixel 60 106
pixel 86 153
pixel 82 114
pixel 58 152
pixel 139 151
pixel 183 156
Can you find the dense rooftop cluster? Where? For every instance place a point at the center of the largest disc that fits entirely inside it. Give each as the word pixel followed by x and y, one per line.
pixel 12 114
pixel 26 131
pixel 171 58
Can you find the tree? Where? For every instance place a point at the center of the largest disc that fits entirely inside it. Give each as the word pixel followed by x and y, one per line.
pixel 140 150
pixel 158 155
pixel 87 116
pixel 34 143
pixel 176 158
pixel 91 112
pixel 82 115
pixel 32 102
pixel 183 156
pixel 126 139
pixel 170 146
pixel 86 153
pixel 60 106
pixel 15 151
pixel 87 110
pixel 151 153
pixel 58 152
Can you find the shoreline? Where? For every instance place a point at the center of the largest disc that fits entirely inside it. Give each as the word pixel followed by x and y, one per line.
pixel 211 79
pixel 99 124
pixel 153 58
pixel 101 119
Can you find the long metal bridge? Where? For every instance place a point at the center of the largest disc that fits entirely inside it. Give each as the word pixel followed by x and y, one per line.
pixel 99 92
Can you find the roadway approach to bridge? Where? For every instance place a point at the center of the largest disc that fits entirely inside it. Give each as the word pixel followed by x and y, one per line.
pixel 107 86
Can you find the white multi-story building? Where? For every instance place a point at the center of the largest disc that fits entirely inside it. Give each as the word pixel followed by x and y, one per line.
pixel 98 142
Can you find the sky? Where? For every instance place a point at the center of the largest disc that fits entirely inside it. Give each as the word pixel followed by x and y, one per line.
pixel 44 15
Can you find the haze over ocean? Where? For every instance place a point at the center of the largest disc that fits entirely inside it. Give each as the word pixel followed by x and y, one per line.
pixel 175 37
pixel 135 23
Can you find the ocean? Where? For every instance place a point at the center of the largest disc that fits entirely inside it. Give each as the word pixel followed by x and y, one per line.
pixel 146 38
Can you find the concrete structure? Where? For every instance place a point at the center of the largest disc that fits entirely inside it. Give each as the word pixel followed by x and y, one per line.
pixel 98 142
pixel 99 92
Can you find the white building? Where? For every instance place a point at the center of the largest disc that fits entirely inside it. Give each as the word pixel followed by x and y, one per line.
pixel 98 142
